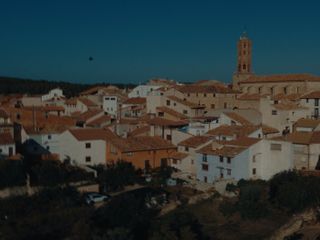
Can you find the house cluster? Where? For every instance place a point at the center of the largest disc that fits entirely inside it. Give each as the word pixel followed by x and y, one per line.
pixel 207 130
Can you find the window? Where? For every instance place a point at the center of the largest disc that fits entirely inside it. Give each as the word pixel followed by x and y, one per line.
pixel 214 95
pixel 229 172
pixel 174 104
pixel 88 159
pixel 274 112
pixel 285 90
pixel 174 161
pixel 161 114
pixel 221 159
pixel 228 160
pixel 254 171
pixel 205 179
pixel 88 145
pixel 244 67
pixel 48 148
pixel 275 146
pixel 316 102
pixel 169 137
pixel 196 94
pixel 0 150
pixel 316 112
pixel 168 102
pixel 185 111
pixel 188 94
pixel 254 159
pixel 204 94
pixel 192 161
pixel 49 136
pixel 186 149
pixel 225 105
pixel 205 167
pixel 112 99
pixel 204 158
pixel 213 106
pixel 164 162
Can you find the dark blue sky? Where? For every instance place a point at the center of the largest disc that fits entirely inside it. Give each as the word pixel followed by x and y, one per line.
pixel 132 41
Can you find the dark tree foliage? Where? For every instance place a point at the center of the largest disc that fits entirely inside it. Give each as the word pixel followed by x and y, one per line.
pixel 117 176
pixel 127 211
pixel 12 173
pixel 10 85
pixel 253 203
pixel 294 192
pixel 180 224
pixel 52 173
pixel 49 214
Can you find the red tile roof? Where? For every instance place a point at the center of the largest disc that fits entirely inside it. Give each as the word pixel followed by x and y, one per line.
pixel 87 134
pixel 171 112
pixel 238 118
pixel 185 103
pixel 6 139
pixel 194 141
pixel 136 100
pixel 100 120
pixel 226 130
pixel 315 94
pixel 282 78
pixel 141 143
pixel 166 122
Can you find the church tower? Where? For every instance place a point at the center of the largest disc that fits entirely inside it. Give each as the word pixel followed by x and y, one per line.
pixel 244 67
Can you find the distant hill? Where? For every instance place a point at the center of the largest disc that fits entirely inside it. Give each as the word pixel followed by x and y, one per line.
pixel 11 85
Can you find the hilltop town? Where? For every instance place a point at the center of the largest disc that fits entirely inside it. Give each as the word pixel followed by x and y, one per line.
pixel 208 130
pixel 209 133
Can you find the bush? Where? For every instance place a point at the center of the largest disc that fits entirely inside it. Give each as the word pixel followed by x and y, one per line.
pixel 227 208
pixel 116 176
pixel 294 192
pixel 12 173
pixel 253 202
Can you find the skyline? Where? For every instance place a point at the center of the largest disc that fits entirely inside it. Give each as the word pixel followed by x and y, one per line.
pixel 133 42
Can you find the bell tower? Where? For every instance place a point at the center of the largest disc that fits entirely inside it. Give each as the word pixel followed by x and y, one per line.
pixel 244 67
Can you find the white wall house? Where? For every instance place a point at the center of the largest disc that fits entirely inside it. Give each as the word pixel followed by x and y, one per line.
pixel 48 140
pixel 110 105
pixel 53 94
pixel 259 159
pixel 142 91
pixel 7 144
pixel 83 146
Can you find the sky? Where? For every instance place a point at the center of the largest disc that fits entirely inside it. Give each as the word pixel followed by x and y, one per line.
pixel 132 41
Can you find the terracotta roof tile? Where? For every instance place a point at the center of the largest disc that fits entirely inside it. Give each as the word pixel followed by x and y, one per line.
pixel 287 106
pixel 179 155
pixel 315 94
pixel 282 78
pixel 6 138
pixel 198 88
pixel 100 120
pixel 238 118
pixel 87 134
pixel 89 114
pixel 249 97
pixel 141 143
pixel 171 112
pixel 3 114
pixel 195 141
pixel 268 130
pixel 225 151
pixel 166 122
pixel 226 130
pixel 136 100
pixel 185 103
pixel 307 123
pixel 139 131
pixel 87 102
